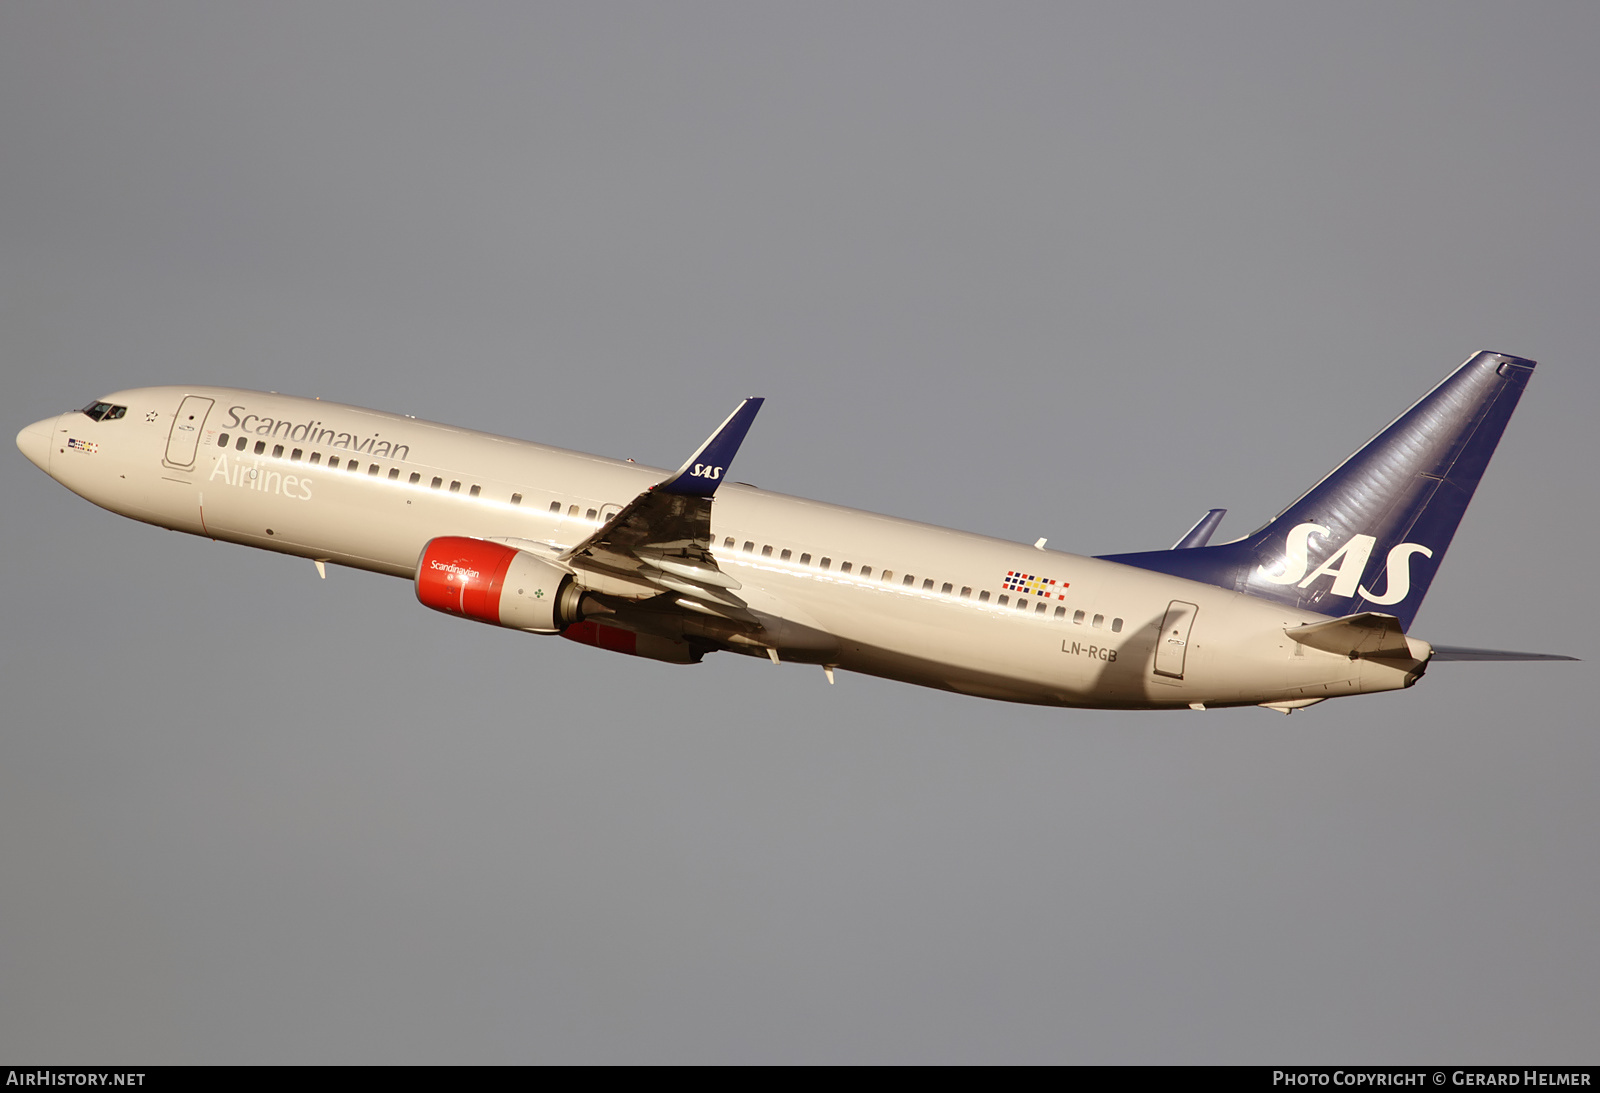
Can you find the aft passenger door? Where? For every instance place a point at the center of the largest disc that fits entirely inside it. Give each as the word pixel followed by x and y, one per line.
pixel 183 441
pixel 1172 645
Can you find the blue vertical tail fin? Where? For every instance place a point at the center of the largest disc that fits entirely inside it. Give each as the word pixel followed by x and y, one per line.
pixel 1370 536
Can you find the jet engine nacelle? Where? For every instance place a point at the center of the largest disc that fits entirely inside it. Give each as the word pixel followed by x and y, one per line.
pixel 497 584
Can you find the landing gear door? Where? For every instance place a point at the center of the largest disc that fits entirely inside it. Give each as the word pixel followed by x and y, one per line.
pixel 1172 646
pixel 184 439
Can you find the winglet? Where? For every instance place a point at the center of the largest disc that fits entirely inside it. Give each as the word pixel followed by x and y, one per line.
pixel 702 473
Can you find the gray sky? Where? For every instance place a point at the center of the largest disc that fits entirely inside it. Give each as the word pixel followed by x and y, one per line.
pixel 1080 271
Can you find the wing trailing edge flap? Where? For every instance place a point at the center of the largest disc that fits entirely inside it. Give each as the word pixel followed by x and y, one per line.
pixel 1368 634
pixel 660 542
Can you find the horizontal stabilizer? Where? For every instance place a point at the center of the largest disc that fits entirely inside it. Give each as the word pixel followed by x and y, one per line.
pixel 1369 634
pixel 1200 534
pixel 1457 652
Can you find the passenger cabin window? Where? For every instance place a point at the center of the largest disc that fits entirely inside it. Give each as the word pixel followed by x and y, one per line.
pixel 354 466
pixel 333 462
pixel 844 567
pixel 222 441
pixel 316 457
pixel 1022 603
pixel 983 597
pixel 749 547
pixel 555 506
pixel 294 456
pixel 572 510
pixel 1040 609
pixel 1099 621
pixel 784 557
pixel 948 588
pixel 728 542
pixel 866 571
pixel 239 447
pixel 394 474
pixel 475 491
pixel 455 486
pixel 966 592
pixel 1003 600
pixel 1077 618
pixel 372 471
pixel 277 451
pixel 887 576
pixel 805 559
pixel 590 515
pixel 516 499
pixel 766 552
pixel 909 581
pixel 261 446
pixel 927 585
pixel 824 563
pixel 436 483
pixel 1061 612
pixel 415 478
pixel 1116 626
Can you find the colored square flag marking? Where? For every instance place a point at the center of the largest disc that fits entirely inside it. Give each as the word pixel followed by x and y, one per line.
pixel 1034 585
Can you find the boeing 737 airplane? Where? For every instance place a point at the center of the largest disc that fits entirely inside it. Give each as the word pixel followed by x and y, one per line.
pixel 674 565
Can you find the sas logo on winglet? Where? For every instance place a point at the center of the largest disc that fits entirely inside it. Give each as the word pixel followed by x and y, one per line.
pixel 703 471
pixel 1346 565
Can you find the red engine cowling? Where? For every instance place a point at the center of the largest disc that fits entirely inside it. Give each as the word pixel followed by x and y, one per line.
pixel 495 583
pixel 617 640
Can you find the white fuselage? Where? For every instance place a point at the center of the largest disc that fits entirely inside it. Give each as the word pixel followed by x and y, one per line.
pixel 841 587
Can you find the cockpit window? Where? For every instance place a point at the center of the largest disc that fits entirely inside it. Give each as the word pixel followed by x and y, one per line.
pixel 104 411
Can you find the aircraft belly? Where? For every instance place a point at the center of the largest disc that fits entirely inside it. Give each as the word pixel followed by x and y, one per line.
pixel 978 650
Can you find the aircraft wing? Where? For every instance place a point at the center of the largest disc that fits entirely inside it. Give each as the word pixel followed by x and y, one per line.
pixel 661 540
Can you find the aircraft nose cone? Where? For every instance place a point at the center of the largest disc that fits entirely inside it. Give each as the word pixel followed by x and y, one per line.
pixel 35 442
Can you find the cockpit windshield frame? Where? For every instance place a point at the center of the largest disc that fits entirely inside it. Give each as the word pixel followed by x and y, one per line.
pixel 103 411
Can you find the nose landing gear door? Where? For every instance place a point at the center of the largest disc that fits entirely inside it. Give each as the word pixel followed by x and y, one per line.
pixel 184 439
